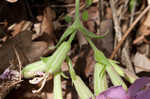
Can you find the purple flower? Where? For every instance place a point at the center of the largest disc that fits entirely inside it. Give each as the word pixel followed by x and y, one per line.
pixel 140 89
pixel 113 93
pixel 9 74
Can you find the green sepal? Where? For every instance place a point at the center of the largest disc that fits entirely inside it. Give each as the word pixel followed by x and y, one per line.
pixel 45 59
pixel 30 69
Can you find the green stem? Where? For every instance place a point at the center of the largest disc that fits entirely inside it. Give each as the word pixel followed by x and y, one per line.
pixel 71 70
pixel 72 37
pixel 91 43
pixel 77 5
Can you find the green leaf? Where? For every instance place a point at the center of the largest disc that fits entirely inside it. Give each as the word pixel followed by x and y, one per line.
pixel 88 2
pixel 68 19
pixel 85 15
pixel 90 34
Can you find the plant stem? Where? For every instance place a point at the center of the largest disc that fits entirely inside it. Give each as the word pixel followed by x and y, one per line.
pixel 77 5
pixel 72 37
pixel 91 43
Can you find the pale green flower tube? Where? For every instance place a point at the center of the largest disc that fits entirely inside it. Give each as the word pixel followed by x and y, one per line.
pixel 117 68
pixel 123 73
pixel 57 91
pixel 115 78
pixel 83 91
pixel 100 81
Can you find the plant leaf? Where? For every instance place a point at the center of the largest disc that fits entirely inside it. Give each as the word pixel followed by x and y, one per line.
pixel 90 34
pixel 68 19
pixel 85 15
pixel 88 2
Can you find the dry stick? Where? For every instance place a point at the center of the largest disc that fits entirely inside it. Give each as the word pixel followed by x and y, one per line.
pixel 101 10
pixel 125 52
pixel 116 22
pixel 19 62
pixel 129 30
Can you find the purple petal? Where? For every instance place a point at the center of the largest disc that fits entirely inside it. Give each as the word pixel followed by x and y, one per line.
pixel 137 86
pixel 9 74
pixel 113 93
pixel 5 74
pixel 145 94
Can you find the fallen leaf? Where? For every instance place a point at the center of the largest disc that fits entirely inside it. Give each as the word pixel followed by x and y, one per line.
pixel 47 26
pixel 141 61
pixel 144 30
pixel 21 26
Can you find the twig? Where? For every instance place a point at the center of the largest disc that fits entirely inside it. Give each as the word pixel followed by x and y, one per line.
pixel 19 62
pixel 138 39
pixel 101 10
pixel 129 30
pixel 125 52
pixel 116 22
